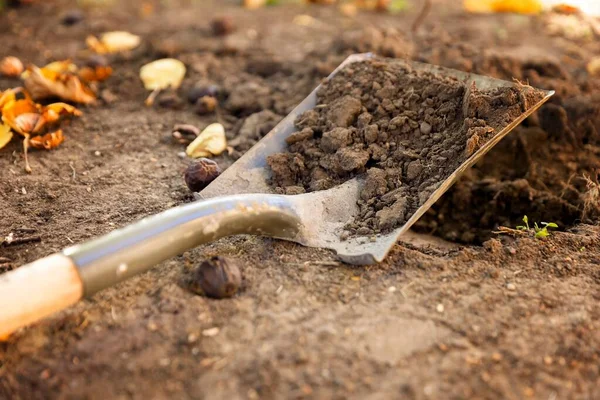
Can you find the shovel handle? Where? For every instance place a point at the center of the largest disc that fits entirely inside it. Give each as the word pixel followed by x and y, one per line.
pixel 51 284
pixel 37 290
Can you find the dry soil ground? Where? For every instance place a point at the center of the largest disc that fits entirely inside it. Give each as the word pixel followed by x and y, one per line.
pixel 514 318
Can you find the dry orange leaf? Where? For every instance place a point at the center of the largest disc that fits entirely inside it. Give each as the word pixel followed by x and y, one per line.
pixel 43 83
pixel 11 95
pixel 27 118
pixel 491 6
pixel 48 141
pixel 95 74
pixel 23 116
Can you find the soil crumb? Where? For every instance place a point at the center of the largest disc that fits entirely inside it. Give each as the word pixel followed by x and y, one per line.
pixel 405 130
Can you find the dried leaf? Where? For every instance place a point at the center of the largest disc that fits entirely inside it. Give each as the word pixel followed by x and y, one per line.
pixel 8 96
pixel 54 69
pixel 44 83
pixel 5 135
pixel 95 74
pixel 53 112
pixel 113 42
pixel 492 6
pixel 211 142
pixel 11 66
pixel 49 141
pixel 23 116
pixel 163 73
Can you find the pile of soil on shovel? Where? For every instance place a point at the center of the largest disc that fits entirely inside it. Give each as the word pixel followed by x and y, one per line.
pixel 406 130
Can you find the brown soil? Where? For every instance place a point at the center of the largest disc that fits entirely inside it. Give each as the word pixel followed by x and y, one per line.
pixel 406 130
pixel 516 318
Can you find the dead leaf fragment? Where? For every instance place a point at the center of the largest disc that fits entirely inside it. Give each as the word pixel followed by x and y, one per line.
pixel 9 96
pixel 95 74
pixel 43 83
pixel 5 135
pixel 11 66
pixel 113 42
pixel 211 142
pixel 53 112
pixel 494 6
pixel 23 116
pixel 48 141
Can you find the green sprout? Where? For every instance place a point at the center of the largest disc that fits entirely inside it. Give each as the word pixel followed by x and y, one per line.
pixel 539 232
pixel 543 232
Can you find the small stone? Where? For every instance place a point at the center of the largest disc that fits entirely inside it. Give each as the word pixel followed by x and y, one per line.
pixel 222 26
pixel 425 128
pixel 439 308
pixel 511 286
pixel 192 338
pixel 391 289
pixel 97 153
pixel 170 100
pixel 72 17
pixel 212 332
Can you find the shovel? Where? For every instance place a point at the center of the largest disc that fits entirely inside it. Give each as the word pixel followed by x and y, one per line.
pixel 239 201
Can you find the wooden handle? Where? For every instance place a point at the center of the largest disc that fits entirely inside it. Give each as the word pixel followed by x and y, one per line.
pixel 37 290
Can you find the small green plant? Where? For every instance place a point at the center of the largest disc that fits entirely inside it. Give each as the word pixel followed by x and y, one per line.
pixel 539 232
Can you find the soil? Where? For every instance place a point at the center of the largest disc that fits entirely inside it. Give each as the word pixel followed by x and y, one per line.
pixel 407 131
pixel 515 318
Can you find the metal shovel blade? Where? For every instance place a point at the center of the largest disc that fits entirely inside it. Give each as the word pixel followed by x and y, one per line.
pixel 323 214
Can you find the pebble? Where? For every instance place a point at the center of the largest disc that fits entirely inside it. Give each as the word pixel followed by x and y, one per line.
pixel 425 128
pixel 211 332
pixel 511 286
pixel 440 308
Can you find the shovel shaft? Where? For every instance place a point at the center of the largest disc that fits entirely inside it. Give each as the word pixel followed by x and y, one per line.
pixel 41 288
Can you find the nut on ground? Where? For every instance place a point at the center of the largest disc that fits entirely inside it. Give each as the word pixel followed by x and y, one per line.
pixel 217 277
pixel 199 174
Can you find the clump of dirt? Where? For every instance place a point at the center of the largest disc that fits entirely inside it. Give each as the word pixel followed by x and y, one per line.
pixel 406 130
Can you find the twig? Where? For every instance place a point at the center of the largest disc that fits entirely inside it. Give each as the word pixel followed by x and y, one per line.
pixel 511 231
pixel 73 169
pixel 421 17
pixel 23 240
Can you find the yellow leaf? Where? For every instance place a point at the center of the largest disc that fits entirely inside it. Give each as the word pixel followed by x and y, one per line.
pixel 492 6
pixel 211 142
pixel 113 42
pixel 163 73
pixel 5 135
